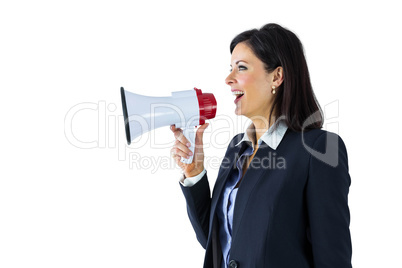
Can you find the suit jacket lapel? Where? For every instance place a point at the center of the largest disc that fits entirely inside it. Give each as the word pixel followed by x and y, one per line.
pixel 249 181
pixel 226 169
pixel 219 184
pixel 223 175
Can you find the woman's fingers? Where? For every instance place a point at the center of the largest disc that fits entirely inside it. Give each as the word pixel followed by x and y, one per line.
pixel 181 149
pixel 177 152
pixel 178 134
pixel 181 145
pixel 177 159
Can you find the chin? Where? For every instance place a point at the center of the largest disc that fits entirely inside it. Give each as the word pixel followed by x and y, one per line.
pixel 237 112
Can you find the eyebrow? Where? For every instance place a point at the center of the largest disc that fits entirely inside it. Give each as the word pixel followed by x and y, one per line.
pixel 237 62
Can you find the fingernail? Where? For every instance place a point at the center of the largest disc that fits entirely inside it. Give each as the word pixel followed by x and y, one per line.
pixel 188 144
pixel 190 153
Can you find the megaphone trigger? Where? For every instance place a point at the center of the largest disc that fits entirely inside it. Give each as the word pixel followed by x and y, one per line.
pixel 189 133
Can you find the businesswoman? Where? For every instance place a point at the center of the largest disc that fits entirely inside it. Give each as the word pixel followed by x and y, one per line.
pixel 281 196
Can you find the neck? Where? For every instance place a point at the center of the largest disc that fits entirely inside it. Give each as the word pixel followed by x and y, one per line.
pixel 261 125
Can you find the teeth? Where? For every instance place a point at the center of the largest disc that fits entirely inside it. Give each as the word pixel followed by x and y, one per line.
pixel 237 92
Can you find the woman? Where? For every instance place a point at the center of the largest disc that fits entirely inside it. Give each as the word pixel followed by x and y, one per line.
pixel 281 196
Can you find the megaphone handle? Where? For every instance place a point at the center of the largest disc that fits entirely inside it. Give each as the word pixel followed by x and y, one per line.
pixel 189 133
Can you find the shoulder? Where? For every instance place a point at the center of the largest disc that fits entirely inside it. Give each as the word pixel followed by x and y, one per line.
pixel 318 144
pixel 315 138
pixel 324 146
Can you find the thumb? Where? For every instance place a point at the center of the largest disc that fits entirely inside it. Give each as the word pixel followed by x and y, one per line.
pixel 200 132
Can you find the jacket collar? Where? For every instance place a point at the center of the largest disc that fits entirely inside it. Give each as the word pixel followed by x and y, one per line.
pixel 272 137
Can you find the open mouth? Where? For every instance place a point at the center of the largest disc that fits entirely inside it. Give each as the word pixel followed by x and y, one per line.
pixel 238 94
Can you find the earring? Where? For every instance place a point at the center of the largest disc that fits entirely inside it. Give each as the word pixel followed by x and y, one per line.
pixel 273 90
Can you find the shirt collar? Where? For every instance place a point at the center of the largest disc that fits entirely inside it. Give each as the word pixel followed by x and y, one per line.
pixel 272 137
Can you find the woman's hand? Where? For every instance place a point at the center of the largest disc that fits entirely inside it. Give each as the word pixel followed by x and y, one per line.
pixel 181 149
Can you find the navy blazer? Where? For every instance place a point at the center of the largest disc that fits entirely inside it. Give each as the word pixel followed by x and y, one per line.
pixel 289 214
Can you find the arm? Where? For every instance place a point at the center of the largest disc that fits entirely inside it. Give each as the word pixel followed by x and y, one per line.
pixel 195 187
pixel 198 199
pixel 327 204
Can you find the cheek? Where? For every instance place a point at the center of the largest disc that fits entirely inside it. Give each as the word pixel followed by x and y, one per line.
pixel 249 83
pixel 256 88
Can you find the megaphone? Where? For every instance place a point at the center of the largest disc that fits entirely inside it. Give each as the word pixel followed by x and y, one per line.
pixel 185 109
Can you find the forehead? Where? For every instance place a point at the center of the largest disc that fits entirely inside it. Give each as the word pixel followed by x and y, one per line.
pixel 243 52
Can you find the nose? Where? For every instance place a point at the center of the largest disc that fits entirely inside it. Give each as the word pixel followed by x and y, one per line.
pixel 230 79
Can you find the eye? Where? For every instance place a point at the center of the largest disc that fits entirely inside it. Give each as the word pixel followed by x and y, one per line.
pixel 242 68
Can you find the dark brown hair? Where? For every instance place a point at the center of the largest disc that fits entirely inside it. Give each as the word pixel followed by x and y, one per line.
pixel 295 100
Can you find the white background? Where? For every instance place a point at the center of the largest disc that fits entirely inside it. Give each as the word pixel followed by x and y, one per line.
pixel 65 206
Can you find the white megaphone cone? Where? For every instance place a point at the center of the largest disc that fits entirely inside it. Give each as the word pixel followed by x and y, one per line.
pixel 185 109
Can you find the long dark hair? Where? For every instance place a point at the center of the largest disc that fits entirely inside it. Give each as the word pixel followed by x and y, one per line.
pixel 295 100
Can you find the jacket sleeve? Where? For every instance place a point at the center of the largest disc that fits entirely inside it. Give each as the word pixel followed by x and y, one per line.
pixel 327 203
pixel 198 199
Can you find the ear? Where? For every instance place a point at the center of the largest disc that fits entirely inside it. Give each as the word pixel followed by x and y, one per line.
pixel 277 76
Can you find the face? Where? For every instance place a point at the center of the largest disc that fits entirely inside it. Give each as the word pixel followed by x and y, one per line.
pixel 249 76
